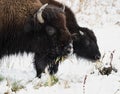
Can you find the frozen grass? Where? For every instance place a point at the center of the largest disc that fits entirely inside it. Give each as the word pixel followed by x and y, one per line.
pixel 1 78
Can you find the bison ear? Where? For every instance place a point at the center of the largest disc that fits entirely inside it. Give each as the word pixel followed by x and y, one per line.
pixel 50 30
pixel 39 13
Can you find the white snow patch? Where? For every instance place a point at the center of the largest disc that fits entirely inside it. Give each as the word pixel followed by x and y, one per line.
pixel 18 67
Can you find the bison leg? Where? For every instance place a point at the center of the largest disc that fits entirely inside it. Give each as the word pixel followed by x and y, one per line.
pixel 40 64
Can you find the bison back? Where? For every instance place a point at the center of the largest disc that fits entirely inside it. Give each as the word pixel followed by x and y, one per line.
pixel 15 13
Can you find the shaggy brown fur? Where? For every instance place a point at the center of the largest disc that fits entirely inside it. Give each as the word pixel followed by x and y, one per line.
pixel 15 13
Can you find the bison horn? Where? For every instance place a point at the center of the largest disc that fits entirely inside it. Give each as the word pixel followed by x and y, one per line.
pixel 63 8
pixel 39 13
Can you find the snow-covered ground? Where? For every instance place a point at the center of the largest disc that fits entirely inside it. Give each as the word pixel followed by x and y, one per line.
pixel 75 76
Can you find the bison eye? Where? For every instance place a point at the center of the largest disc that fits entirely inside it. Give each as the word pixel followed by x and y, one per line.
pixel 50 30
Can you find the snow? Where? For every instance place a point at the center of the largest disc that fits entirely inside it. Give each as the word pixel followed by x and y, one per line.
pixel 75 75
pixel 17 67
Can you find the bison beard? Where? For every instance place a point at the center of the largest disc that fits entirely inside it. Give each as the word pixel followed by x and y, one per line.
pixel 85 43
pixel 48 40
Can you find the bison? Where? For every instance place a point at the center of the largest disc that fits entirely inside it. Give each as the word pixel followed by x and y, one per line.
pixel 85 44
pixel 26 28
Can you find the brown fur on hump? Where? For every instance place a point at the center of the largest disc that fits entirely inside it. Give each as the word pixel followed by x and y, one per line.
pixel 14 13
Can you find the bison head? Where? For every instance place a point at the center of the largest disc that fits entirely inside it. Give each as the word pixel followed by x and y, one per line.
pixel 52 21
pixel 85 44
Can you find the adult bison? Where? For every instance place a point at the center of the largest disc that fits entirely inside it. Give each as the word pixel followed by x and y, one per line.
pixel 25 26
pixel 85 44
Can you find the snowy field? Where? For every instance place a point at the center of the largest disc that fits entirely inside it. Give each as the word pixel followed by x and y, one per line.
pixel 75 76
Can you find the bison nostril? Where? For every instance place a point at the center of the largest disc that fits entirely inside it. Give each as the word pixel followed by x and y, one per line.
pixel 68 49
pixel 97 57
